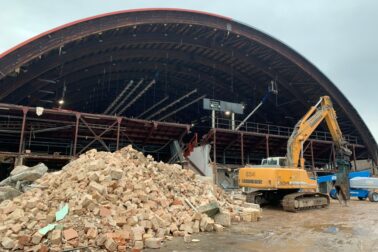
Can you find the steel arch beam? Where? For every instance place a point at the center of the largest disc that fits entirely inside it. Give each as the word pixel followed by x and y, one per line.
pixel 43 66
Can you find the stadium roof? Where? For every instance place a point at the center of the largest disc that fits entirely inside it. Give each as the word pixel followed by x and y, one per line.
pixel 189 54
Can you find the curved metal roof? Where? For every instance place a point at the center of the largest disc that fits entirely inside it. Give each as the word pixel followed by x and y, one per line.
pixel 93 59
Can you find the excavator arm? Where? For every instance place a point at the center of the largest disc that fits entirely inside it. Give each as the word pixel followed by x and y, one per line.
pixel 323 110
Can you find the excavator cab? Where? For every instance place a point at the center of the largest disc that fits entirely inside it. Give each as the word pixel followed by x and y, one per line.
pixel 274 161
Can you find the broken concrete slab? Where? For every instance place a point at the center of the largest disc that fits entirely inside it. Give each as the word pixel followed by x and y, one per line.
pixel 18 169
pixel 8 192
pixel 116 174
pixel 223 218
pixel 153 243
pixel 7 243
pixel 56 237
pixel 31 174
pixel 210 209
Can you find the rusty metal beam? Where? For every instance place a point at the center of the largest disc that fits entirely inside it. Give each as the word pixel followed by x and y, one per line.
pixel 242 148
pixel 154 126
pixel 119 96
pixel 149 85
pixel 171 104
pixel 24 113
pixel 119 121
pixel 153 107
pixel 116 108
pixel 182 107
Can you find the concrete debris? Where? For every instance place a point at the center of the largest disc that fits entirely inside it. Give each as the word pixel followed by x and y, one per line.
pixel 18 169
pixel 210 209
pixel 153 243
pixel 118 201
pixel 21 177
pixel 111 245
pixel 31 174
pixel 7 243
pixel 218 228
pixel 8 192
pixel 56 237
pixel 223 219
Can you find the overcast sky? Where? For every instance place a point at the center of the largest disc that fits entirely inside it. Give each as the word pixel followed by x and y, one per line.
pixel 340 36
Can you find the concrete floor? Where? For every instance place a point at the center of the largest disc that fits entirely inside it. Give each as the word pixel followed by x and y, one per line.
pixel 338 228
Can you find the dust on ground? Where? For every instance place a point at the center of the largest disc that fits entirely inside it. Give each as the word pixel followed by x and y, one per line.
pixel 337 228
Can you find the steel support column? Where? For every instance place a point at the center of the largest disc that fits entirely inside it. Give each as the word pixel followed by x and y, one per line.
pixel 119 120
pixel 76 132
pixel 267 145
pixel 242 148
pixel 182 134
pixel 24 112
pixel 334 156
pixel 354 157
pixel 215 172
pixel 154 126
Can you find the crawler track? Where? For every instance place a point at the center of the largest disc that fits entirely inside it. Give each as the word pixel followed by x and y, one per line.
pixel 296 202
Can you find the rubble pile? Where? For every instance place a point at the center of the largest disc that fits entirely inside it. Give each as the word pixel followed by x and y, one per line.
pixel 117 201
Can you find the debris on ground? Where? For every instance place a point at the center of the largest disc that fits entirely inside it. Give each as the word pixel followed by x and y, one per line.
pixel 20 180
pixel 116 202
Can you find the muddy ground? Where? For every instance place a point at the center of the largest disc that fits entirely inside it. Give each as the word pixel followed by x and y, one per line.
pixel 338 228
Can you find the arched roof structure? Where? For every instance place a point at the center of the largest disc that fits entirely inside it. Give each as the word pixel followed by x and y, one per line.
pixel 90 61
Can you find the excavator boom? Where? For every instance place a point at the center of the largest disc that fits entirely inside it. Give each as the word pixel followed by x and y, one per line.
pixel 323 110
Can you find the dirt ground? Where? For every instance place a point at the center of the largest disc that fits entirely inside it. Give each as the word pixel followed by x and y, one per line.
pixel 337 228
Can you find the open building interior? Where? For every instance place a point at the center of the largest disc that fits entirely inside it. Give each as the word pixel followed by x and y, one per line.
pixel 139 77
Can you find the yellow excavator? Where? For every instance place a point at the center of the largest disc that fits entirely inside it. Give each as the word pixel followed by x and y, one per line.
pixel 284 179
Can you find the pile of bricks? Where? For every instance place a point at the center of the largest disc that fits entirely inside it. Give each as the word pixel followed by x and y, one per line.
pixel 117 201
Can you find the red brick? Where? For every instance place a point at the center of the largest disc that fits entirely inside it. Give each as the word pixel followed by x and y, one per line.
pixel 92 233
pixel 176 202
pixel 74 242
pixel 24 240
pixel 122 248
pixel 70 234
pixel 43 248
pixel 104 211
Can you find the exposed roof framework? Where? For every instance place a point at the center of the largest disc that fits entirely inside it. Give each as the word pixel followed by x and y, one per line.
pixel 90 61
